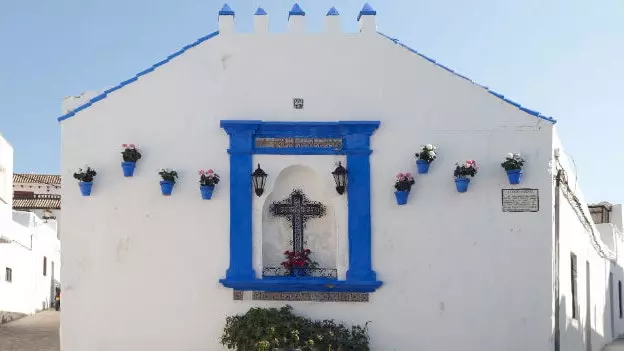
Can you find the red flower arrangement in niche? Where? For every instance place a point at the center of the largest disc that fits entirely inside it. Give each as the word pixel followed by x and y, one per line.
pixel 298 262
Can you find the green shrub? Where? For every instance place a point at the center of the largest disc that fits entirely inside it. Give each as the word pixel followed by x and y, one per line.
pixel 266 329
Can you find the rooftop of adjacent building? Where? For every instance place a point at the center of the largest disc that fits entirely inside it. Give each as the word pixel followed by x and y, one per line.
pixel 48 179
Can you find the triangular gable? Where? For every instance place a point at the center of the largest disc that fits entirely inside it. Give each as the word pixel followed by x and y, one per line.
pixel 214 34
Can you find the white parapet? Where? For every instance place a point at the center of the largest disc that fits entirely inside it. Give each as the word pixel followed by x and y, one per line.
pixel 296 19
pixel 332 21
pixel 366 19
pixel 261 21
pixel 226 20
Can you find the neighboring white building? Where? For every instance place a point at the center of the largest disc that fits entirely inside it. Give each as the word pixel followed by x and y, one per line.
pixel 29 251
pixel 447 271
pixel 40 194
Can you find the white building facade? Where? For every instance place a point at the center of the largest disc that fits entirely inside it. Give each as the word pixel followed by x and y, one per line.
pixel 39 194
pixel 30 261
pixel 445 264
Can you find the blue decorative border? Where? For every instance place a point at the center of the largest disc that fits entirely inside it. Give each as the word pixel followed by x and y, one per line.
pixel 356 146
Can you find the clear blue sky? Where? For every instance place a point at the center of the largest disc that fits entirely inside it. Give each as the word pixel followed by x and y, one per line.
pixel 563 58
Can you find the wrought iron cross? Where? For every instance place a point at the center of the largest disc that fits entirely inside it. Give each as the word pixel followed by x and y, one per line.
pixel 297 209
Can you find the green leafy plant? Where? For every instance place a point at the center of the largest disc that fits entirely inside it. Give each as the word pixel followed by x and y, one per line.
pixel 85 175
pixel 469 169
pixel 168 175
pixel 131 153
pixel 404 182
pixel 265 329
pixel 427 153
pixel 208 178
pixel 513 162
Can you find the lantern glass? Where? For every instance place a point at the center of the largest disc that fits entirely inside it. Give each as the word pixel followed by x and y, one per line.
pixel 340 177
pixel 258 178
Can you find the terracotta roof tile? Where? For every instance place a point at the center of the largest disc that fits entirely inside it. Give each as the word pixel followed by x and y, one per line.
pixel 54 179
pixel 36 201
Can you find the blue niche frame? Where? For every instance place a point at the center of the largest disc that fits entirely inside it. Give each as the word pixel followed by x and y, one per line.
pixel 355 137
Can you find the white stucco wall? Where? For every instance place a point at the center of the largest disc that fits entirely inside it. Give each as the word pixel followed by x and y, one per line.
pixel 452 264
pixel 32 240
pixel 594 311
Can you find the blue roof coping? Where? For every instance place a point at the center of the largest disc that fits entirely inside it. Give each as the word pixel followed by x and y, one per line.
pixel 333 12
pixel 296 11
pixel 260 12
pixel 145 72
pixel 500 96
pixel 98 98
pixel 226 10
pixel 82 107
pixel 367 10
pixel 107 92
pixel 126 82
pixel 509 101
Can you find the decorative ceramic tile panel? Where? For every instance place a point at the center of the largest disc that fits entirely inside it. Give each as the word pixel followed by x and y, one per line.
pixel 310 296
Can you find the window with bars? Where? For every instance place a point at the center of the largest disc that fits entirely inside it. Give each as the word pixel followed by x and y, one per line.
pixel 574 285
pixel 8 274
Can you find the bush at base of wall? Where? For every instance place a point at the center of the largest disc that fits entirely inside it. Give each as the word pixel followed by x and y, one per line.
pixel 267 329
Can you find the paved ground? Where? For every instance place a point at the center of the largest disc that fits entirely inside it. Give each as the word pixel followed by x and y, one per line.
pixel 39 332
pixel 615 345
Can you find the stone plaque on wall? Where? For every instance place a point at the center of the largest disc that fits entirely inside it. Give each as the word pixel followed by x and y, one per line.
pixel 299 142
pixel 520 200
pixel 301 296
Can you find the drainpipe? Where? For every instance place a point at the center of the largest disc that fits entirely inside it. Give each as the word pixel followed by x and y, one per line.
pixel 557 297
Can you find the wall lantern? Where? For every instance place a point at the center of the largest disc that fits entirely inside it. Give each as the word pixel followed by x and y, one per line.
pixel 259 177
pixel 340 177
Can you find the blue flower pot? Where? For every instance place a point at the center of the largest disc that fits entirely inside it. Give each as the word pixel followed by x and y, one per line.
pixel 401 197
pixel 166 186
pixel 206 191
pixel 462 184
pixel 128 168
pixel 514 176
pixel 85 188
pixel 422 166
pixel 298 271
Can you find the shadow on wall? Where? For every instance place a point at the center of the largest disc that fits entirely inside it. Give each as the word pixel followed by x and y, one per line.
pixel 612 320
pixel 576 334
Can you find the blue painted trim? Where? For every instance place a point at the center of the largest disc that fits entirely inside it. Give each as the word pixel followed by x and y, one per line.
pixel 296 11
pixel 82 107
pixel 260 12
pixel 500 96
pixel 98 98
pixel 509 101
pixel 226 10
pixel 367 10
pixel 126 82
pixel 301 284
pixel 333 12
pixel 151 69
pixel 356 145
pixel 135 78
